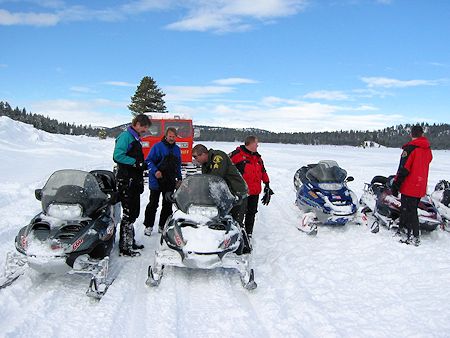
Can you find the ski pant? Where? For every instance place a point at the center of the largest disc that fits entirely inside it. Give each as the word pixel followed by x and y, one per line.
pixel 408 215
pixel 250 209
pixel 130 200
pixel 238 212
pixel 152 206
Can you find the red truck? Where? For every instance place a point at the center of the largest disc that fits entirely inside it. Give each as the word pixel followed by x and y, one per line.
pixel 185 139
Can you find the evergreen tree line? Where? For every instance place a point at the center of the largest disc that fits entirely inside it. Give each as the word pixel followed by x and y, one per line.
pixel 45 123
pixel 395 137
pixel 438 134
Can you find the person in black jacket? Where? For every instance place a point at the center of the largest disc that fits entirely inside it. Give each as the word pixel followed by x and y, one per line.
pixel 130 181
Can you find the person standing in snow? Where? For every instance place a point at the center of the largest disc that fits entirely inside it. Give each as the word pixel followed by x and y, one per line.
pixel 251 166
pixel 164 176
pixel 130 181
pixel 217 162
pixel 411 181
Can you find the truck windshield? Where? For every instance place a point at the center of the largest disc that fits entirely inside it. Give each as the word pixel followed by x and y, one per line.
pixel 154 130
pixel 184 128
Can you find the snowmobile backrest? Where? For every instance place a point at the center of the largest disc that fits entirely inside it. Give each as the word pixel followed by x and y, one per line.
pixel 446 198
pixel 380 180
pixel 105 179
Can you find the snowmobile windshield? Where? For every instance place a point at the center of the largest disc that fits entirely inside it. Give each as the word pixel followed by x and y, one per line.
pixel 326 172
pixel 73 187
pixel 204 191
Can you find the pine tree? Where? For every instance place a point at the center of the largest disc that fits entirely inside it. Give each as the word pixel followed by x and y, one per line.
pixel 148 98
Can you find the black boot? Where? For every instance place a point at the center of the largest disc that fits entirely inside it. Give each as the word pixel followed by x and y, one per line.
pixel 126 241
pixel 129 253
pixel 137 246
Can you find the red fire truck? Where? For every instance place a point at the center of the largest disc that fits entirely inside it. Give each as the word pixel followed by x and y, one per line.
pixel 185 139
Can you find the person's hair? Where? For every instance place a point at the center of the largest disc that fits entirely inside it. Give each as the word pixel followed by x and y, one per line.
pixel 142 119
pixel 172 129
pixel 250 139
pixel 416 131
pixel 199 149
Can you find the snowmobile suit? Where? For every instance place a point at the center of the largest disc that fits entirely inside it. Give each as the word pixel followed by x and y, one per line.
pixel 251 167
pixel 412 173
pixel 411 180
pixel 166 158
pixel 130 182
pixel 219 164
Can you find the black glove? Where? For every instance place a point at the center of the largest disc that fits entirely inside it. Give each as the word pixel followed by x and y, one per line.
pixel 395 188
pixel 267 193
pixel 140 165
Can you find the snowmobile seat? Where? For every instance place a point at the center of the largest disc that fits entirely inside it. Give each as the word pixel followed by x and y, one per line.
pixel 106 180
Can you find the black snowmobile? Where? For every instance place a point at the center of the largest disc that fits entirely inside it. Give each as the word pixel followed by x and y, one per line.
pixel 75 231
pixel 382 207
pixel 201 234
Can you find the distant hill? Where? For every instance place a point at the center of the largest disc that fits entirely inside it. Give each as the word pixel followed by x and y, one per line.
pixel 438 134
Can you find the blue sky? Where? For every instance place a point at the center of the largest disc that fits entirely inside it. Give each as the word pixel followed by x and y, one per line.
pixel 280 65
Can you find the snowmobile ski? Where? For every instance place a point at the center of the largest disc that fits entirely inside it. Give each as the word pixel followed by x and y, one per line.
pixel 14 268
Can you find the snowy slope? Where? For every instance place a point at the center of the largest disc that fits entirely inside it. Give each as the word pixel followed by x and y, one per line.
pixel 343 283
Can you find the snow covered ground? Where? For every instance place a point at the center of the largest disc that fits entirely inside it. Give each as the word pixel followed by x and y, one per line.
pixel 342 283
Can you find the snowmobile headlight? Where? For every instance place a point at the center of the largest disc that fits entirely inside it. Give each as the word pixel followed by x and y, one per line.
pixel 65 211
pixel 330 186
pixel 209 212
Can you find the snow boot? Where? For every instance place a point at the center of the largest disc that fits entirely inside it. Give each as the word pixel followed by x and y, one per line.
pixel 126 240
pixel 137 246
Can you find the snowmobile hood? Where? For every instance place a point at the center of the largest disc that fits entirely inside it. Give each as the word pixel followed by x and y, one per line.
pixel 421 142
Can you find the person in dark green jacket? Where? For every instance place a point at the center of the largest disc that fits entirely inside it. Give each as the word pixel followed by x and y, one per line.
pixel 217 162
pixel 130 180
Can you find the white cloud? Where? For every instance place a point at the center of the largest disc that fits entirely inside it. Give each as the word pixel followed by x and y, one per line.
pixel 34 19
pixel 119 84
pixel 385 82
pixel 189 93
pixel 234 15
pixel 234 81
pixel 3 65
pixel 287 115
pixel 99 112
pixel 81 89
pixel 199 15
pixel 331 95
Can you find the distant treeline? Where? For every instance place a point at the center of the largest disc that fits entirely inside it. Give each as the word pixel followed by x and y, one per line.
pixel 45 123
pixel 438 134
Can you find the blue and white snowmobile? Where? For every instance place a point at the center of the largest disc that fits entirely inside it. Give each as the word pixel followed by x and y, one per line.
pixel 201 234
pixel 323 196
pixel 75 231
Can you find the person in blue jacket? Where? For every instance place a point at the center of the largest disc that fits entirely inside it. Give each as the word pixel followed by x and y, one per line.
pixel 164 176
pixel 130 180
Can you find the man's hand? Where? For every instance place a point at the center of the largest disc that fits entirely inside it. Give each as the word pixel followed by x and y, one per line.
pixel 267 193
pixel 158 174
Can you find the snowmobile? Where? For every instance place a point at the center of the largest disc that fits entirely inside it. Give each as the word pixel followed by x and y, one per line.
pixel 382 207
pixel 441 200
pixel 323 197
pixel 74 232
pixel 201 234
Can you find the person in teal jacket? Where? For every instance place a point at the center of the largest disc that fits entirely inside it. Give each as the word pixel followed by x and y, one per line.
pixel 130 180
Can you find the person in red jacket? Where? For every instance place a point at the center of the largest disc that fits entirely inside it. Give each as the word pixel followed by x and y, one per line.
pixel 411 181
pixel 251 166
